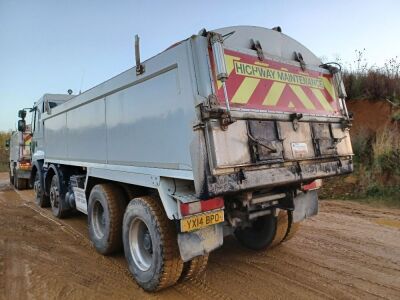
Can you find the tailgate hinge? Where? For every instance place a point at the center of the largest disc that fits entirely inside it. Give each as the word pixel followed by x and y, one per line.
pixel 255 45
pixel 295 117
pixel 225 120
pixel 211 109
pixel 299 57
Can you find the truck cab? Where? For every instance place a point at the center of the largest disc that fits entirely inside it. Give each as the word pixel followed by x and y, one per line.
pixel 46 103
pixel 20 154
pixel 26 143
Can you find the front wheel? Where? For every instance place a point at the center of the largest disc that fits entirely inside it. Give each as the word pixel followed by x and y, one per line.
pixel 150 244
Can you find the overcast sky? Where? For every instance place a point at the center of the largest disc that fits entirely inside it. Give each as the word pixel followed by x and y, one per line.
pixel 49 46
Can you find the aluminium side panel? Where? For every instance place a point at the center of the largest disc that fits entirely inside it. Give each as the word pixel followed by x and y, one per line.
pixel 150 124
pixel 86 136
pixel 55 137
pixel 131 122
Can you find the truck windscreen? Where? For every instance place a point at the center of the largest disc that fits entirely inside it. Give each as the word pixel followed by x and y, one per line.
pixel 52 104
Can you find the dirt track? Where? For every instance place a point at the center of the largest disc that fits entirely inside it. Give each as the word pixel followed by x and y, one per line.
pixel 347 251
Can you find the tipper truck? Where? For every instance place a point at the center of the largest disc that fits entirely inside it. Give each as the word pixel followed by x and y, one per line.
pixel 19 162
pixel 20 143
pixel 228 132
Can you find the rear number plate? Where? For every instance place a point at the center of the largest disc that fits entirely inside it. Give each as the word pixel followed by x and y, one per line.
pixel 202 220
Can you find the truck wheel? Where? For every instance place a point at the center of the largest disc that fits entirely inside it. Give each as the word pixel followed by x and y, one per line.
pixel 40 198
pixel 29 184
pixel 292 229
pixel 194 268
pixel 25 184
pixel 11 177
pixel 105 213
pixel 150 244
pixel 260 235
pixel 15 179
pixel 57 204
pixel 19 183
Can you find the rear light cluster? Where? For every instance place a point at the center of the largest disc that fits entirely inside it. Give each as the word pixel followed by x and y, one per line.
pixel 201 206
pixel 315 185
pixel 24 165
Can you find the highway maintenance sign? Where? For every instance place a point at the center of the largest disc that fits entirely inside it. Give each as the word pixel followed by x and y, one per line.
pixel 276 86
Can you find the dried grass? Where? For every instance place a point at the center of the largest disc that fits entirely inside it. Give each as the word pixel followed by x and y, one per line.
pixel 386 151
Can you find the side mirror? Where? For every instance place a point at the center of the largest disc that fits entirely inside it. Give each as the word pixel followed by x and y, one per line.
pixel 21 125
pixel 7 144
pixel 22 114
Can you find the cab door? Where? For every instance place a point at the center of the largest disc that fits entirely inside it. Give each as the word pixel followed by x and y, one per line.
pixel 37 129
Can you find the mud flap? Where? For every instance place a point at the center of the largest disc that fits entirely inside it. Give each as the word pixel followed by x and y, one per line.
pixel 200 242
pixel 305 206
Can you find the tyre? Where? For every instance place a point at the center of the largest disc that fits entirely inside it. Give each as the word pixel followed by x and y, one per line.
pixel 194 268
pixel 11 177
pixel 150 244
pixel 40 198
pixel 260 235
pixel 282 226
pixel 15 177
pixel 293 228
pixel 19 183
pixel 58 206
pixel 24 183
pixel 29 184
pixel 105 214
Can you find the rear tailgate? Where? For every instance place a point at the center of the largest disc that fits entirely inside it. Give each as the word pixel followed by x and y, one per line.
pixel 272 88
pixel 277 86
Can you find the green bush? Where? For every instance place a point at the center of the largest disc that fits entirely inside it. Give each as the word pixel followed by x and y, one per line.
pixel 396 116
pixel 362 147
pixel 377 166
pixel 363 81
pixel 389 162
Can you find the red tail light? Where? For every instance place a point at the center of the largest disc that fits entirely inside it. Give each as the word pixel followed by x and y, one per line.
pixel 315 185
pixel 201 206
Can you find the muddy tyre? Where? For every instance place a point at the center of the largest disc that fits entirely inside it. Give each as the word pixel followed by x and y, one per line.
pixel 40 198
pixel 293 228
pixel 105 215
pixel 150 244
pixel 23 183
pixel 19 183
pixel 260 235
pixel 58 206
pixel 11 177
pixel 194 268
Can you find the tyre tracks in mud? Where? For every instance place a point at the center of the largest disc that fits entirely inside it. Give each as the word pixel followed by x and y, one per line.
pixel 334 255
